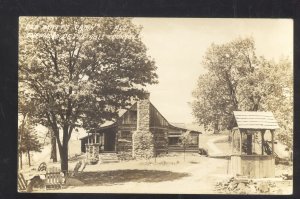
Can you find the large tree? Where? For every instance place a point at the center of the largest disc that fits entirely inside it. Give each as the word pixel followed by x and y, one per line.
pixel 216 93
pixel 237 79
pixel 81 71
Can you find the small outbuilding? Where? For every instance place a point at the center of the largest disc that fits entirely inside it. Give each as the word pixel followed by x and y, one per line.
pixel 252 154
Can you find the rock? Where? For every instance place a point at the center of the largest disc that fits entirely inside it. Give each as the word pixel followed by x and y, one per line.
pixel 250 182
pixel 241 186
pixel 232 186
pixel 231 179
pixel 263 187
pixel 252 189
pixel 272 184
pixel 219 184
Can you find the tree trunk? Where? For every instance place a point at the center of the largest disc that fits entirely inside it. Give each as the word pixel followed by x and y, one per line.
pixel 62 146
pixel 64 159
pixel 63 151
pixel 184 153
pixel 216 127
pixel 53 148
pixel 28 154
pixel 21 162
pixel 21 133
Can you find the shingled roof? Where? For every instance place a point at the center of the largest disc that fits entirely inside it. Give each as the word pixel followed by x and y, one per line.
pixel 255 120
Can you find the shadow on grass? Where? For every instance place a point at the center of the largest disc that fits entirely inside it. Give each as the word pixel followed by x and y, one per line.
pixel 122 176
pixel 193 162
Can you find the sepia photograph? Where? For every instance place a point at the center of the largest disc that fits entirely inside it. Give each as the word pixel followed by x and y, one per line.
pixel 155 105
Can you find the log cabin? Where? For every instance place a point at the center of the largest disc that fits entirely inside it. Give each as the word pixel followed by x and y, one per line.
pixel 139 132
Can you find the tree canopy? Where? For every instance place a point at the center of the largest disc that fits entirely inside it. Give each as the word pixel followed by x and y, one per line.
pixel 237 79
pixel 81 70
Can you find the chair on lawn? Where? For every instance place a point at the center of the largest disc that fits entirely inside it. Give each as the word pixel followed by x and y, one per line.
pixel 54 178
pixel 42 167
pixel 79 165
pixel 22 184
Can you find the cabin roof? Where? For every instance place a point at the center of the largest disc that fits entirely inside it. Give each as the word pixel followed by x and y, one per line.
pixel 109 123
pixel 184 127
pixel 121 113
pixel 255 120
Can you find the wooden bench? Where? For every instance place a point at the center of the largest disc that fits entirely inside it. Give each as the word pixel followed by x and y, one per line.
pixel 22 184
pixel 54 178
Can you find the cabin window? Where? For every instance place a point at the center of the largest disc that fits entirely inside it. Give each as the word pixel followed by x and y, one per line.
pixel 130 117
pixel 194 140
pixel 174 141
pixel 125 134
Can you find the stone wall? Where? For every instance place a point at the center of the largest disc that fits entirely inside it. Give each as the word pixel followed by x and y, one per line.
pixel 142 138
pixel 124 144
pixel 143 145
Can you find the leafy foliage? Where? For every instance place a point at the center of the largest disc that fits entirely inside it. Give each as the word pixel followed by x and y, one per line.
pixel 27 136
pixel 28 139
pixel 81 70
pixel 239 80
pixel 185 140
pixel 216 93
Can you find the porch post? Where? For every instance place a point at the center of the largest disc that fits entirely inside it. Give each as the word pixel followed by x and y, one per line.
pixel 116 140
pixel 232 139
pixel 103 139
pixel 241 134
pixel 249 142
pixel 272 134
pixel 262 141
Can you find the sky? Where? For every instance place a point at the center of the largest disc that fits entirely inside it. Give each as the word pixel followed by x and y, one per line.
pixel 178 44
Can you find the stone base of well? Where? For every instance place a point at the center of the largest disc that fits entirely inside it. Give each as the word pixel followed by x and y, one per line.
pixel 92 153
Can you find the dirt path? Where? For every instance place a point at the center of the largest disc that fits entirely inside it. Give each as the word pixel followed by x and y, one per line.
pixel 164 175
pixel 202 178
pixel 203 173
pixel 213 150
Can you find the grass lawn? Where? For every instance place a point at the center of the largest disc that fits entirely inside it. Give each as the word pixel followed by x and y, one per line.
pixel 127 175
pixel 169 174
pixel 175 173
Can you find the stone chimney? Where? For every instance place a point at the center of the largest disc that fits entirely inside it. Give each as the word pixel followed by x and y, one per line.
pixel 143 114
pixel 142 138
